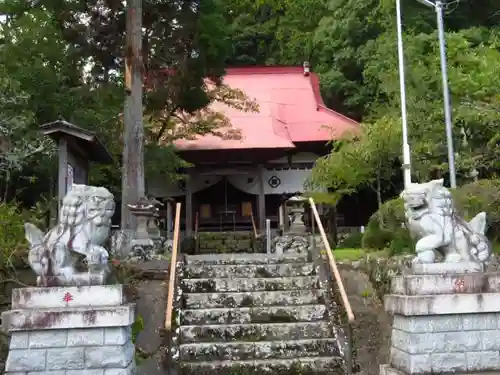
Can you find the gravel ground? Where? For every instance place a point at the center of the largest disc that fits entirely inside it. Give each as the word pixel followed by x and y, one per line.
pixel 372 327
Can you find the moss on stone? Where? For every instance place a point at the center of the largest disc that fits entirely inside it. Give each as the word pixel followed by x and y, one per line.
pixel 247 301
pixel 271 369
pixel 263 272
pixel 281 316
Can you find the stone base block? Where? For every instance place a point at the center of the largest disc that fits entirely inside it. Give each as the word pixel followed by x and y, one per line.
pixel 444 323
pixel 440 304
pixel 455 344
pixel 446 284
pixel 388 370
pixel 70 331
pixel 445 268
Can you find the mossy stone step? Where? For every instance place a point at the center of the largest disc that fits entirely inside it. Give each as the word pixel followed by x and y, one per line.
pixel 247 315
pixel 221 259
pixel 252 271
pixel 225 248
pixel 255 332
pixel 253 299
pixel 244 350
pixel 244 284
pixel 224 235
pixel 301 366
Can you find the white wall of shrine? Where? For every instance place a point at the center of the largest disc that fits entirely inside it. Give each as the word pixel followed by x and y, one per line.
pixel 277 180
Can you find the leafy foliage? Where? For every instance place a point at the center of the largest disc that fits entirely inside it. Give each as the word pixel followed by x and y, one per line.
pixel 17 145
pixel 364 73
pixel 369 155
pixel 12 241
pixel 350 241
pixel 385 225
pixel 66 60
pixel 481 196
pixel 174 123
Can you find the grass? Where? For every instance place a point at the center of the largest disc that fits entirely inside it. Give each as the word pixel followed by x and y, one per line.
pixel 356 254
pixel 496 247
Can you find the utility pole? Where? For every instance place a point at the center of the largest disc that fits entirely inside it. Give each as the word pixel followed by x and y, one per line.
pixel 446 94
pixel 402 91
pixel 438 7
pixel 133 184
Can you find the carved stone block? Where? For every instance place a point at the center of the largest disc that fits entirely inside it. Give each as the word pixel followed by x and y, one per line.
pixel 73 330
pixel 444 322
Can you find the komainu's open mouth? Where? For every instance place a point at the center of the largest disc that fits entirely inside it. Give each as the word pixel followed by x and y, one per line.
pixel 418 207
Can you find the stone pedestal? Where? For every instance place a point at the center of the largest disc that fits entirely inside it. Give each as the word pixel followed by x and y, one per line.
pixel 70 331
pixel 446 321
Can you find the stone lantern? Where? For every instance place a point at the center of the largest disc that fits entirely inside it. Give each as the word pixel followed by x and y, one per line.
pixel 147 241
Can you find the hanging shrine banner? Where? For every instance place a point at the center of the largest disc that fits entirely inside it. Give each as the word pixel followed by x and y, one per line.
pixel 70 178
pixel 276 181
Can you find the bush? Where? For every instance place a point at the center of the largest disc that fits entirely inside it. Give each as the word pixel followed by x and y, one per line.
pixel 12 241
pixel 385 231
pixel 475 197
pixel 350 240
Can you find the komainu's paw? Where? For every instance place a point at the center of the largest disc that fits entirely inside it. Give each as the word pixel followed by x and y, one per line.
pixel 453 258
pixel 425 257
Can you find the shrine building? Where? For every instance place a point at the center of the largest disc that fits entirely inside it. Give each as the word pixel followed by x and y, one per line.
pixel 235 180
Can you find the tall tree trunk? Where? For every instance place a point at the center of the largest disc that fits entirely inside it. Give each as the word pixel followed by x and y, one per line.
pixel 133 184
pixel 379 190
pixel 7 185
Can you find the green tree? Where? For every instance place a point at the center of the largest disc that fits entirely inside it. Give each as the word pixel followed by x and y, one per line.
pixel 368 47
pixel 368 158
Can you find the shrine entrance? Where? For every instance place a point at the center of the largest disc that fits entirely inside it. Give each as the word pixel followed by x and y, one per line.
pixel 223 207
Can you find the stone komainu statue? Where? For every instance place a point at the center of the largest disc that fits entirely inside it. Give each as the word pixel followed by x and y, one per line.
pixel 432 220
pixel 84 225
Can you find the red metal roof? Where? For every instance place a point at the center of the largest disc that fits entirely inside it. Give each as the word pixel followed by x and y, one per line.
pixel 290 110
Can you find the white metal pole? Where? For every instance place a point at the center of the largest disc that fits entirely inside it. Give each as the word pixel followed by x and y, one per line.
pixel 446 94
pixel 402 90
pixel 268 236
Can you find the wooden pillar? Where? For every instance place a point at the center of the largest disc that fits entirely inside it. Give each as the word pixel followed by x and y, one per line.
pixel 261 200
pixel 62 171
pixel 281 216
pixel 133 181
pixel 189 207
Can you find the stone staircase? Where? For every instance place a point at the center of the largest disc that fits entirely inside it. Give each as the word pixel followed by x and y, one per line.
pixel 245 314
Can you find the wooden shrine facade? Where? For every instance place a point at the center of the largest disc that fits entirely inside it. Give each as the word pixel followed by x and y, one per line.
pixel 235 180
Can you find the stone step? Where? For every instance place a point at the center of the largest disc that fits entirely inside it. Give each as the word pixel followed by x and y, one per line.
pixel 258 271
pixel 222 259
pixel 297 366
pixel 244 284
pixel 253 299
pixel 246 315
pixel 206 249
pixel 244 350
pixel 255 332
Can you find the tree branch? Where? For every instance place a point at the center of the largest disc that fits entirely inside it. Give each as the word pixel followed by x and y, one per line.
pixel 165 124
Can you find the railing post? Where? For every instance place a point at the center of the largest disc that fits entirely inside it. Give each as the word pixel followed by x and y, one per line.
pixel 313 229
pixel 268 236
pixel 348 358
pixel 340 285
pixel 332 264
pixel 171 289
